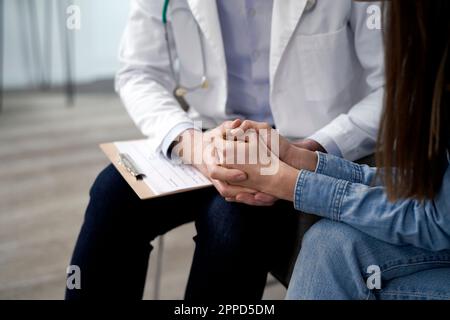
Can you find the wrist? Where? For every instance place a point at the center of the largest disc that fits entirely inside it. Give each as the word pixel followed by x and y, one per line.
pixel 301 159
pixel 187 145
pixel 308 160
pixel 291 156
pixel 309 144
pixel 282 184
pixel 313 145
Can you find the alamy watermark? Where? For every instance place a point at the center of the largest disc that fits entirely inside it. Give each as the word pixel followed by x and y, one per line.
pixel 73 281
pixel 230 147
pixel 73 20
pixel 374 15
pixel 73 277
pixel 374 280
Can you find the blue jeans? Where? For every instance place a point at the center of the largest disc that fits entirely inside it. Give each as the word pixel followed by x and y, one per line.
pixel 333 262
pixel 236 245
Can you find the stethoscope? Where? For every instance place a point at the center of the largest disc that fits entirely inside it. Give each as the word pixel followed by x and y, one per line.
pixel 180 90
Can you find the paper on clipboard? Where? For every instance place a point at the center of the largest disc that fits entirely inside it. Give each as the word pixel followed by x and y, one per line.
pixel 161 175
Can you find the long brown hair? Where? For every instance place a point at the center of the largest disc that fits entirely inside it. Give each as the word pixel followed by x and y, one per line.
pixel 414 128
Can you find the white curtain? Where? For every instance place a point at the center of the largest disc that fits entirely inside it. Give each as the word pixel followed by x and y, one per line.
pixel 95 44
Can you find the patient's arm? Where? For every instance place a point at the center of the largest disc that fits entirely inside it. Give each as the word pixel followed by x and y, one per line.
pixel 339 168
pixel 423 224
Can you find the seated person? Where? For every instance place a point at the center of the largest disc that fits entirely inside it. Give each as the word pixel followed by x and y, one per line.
pixel 392 223
pixel 315 61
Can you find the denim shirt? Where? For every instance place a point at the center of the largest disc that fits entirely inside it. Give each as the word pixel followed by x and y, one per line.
pixel 346 192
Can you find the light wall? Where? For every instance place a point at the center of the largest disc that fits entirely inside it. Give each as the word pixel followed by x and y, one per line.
pixel 96 43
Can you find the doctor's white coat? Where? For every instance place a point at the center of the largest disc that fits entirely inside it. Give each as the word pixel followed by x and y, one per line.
pixel 326 70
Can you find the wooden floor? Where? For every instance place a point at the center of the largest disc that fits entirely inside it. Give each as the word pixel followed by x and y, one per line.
pixel 48 160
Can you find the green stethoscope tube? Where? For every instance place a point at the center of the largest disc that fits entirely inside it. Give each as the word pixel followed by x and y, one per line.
pixel 164 12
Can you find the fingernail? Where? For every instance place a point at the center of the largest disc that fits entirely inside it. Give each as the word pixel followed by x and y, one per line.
pixel 241 177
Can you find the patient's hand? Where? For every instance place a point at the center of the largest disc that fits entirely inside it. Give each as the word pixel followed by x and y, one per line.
pixel 203 156
pixel 267 134
pixel 293 154
pixel 265 171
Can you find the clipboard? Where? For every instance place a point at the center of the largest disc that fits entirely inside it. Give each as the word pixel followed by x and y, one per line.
pixel 139 186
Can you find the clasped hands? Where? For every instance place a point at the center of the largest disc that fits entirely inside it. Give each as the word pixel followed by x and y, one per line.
pixel 249 162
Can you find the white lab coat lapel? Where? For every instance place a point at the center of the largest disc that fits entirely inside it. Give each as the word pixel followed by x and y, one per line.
pixel 205 13
pixel 285 17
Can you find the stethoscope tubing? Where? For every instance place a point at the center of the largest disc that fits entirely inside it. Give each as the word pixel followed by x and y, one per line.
pixel 180 90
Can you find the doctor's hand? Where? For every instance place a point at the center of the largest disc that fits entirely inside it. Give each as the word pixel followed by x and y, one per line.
pixel 294 154
pixel 203 156
pixel 309 144
pixel 275 183
pixel 268 134
pixel 265 171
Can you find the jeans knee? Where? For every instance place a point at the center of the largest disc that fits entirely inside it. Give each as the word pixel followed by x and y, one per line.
pixel 110 193
pixel 329 239
pixel 110 185
pixel 223 226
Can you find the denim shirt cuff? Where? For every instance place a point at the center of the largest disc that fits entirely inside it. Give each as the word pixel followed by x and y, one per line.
pixel 298 189
pixel 321 162
pixel 339 168
pixel 332 193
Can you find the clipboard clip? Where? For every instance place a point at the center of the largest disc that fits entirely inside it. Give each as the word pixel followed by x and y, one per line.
pixel 128 163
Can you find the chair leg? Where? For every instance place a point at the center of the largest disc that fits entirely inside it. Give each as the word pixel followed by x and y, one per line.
pixel 158 274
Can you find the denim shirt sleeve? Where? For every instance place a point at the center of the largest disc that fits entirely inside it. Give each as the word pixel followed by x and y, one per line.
pixel 339 168
pixel 409 222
